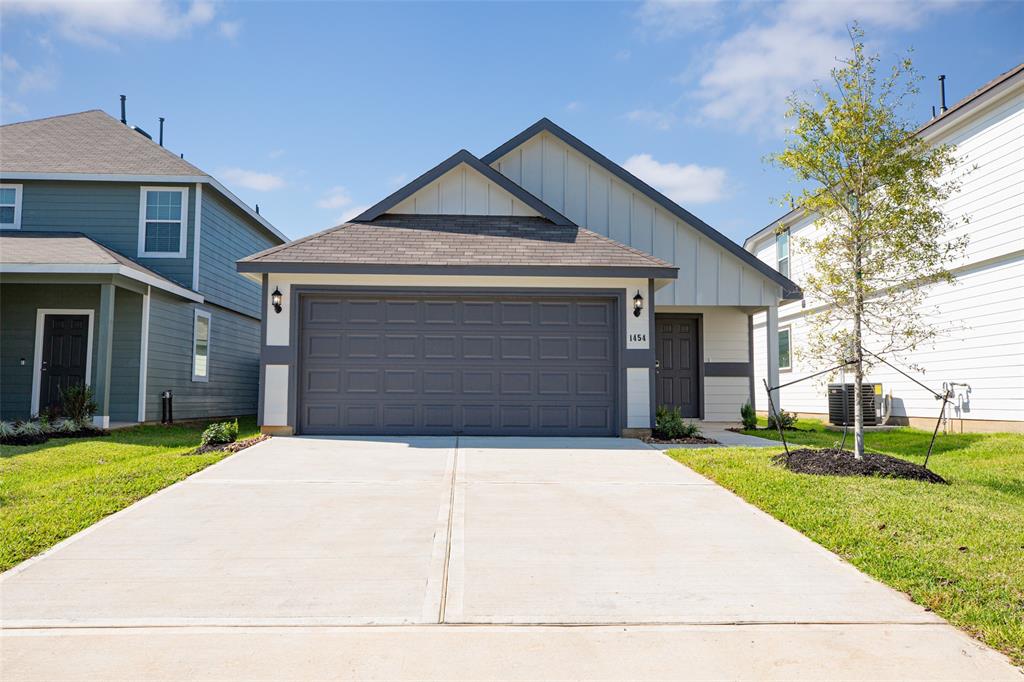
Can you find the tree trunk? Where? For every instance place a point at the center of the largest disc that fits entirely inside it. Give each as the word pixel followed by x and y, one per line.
pixel 858 356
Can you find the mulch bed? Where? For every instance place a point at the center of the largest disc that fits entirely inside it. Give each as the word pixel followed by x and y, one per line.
pixel 738 429
pixel 230 447
pixel 836 462
pixel 692 440
pixel 43 437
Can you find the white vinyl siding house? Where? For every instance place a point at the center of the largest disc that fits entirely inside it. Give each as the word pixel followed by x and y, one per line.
pixel 981 314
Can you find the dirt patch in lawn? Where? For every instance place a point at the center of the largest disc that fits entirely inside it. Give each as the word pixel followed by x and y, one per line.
pixel 231 447
pixel 836 462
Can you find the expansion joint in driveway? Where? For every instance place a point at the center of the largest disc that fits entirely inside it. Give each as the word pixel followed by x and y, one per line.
pixel 448 532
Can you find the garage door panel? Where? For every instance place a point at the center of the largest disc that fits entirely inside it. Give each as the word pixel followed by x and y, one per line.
pixel 516 383
pixel 361 346
pixel 400 381
pixel 437 347
pixel 402 365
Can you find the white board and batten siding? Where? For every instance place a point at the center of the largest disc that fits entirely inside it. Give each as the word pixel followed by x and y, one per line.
pixel 594 198
pixel 981 316
pixel 462 191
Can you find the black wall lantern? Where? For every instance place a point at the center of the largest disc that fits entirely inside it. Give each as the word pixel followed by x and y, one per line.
pixel 275 300
pixel 638 304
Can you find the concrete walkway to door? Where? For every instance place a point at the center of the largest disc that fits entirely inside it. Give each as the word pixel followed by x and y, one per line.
pixel 426 558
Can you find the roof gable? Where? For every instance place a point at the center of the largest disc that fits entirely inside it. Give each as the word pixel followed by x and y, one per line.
pixel 545 125
pixel 462 185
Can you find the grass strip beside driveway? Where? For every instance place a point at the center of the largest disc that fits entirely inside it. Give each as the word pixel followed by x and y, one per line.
pixel 956 549
pixel 50 491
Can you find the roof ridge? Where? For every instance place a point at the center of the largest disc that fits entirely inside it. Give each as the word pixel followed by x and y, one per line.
pixel 50 118
pixel 176 157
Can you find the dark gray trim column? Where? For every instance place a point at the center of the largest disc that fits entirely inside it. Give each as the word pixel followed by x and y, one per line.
pixel 104 355
pixel 651 340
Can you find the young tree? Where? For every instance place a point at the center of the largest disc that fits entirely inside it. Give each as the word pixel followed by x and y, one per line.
pixel 876 190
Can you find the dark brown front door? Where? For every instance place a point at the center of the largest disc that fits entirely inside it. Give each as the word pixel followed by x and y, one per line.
pixel 677 344
pixel 65 345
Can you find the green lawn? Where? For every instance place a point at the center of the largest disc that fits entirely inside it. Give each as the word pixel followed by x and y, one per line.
pixel 956 549
pixel 51 491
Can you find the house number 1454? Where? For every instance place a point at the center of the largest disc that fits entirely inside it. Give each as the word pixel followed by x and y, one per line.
pixel 638 337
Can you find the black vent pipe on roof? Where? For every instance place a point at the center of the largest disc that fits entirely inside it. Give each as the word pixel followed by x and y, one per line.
pixel 161 131
pixel 124 119
pixel 942 94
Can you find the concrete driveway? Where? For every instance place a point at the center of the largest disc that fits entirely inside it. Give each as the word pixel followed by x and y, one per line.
pixel 426 558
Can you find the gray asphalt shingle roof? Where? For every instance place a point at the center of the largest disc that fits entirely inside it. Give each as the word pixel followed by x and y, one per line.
pixel 89 142
pixel 62 248
pixel 458 240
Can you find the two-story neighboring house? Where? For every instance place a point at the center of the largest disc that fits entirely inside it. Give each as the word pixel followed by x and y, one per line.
pixel 540 289
pixel 117 269
pixel 980 352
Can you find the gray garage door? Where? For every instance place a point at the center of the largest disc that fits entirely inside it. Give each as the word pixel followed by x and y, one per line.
pixel 474 365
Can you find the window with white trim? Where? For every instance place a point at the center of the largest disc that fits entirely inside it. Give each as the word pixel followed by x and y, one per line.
pixel 785 351
pixel 782 252
pixel 163 217
pixel 201 346
pixel 10 207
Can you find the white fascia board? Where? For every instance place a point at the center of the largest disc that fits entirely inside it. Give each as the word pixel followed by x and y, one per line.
pixel 99 269
pixel 118 177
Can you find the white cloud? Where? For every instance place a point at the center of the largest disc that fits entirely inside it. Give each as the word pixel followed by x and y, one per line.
pixel 689 184
pixel 659 120
pixel 666 18
pixel 622 55
pixel 351 213
pixel 335 197
pixel 261 182
pixel 276 153
pixel 573 106
pixel 95 23
pixel 36 78
pixel 751 73
pixel 11 109
pixel 399 180
pixel 230 29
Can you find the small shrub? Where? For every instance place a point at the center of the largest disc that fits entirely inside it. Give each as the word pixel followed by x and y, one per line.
pixel 786 420
pixel 29 429
pixel 748 416
pixel 220 433
pixel 670 425
pixel 77 403
pixel 65 426
pixel 7 430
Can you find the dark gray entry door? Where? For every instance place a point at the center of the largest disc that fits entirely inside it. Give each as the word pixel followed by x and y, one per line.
pixel 677 344
pixel 395 364
pixel 65 345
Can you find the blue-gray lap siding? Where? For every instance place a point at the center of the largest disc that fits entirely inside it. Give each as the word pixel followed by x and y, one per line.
pixel 18 306
pixel 234 361
pixel 226 236
pixel 107 212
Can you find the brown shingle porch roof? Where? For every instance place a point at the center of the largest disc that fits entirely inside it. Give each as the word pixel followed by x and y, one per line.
pixel 71 253
pixel 457 242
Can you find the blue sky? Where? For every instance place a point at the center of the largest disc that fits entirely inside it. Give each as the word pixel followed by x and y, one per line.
pixel 313 110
